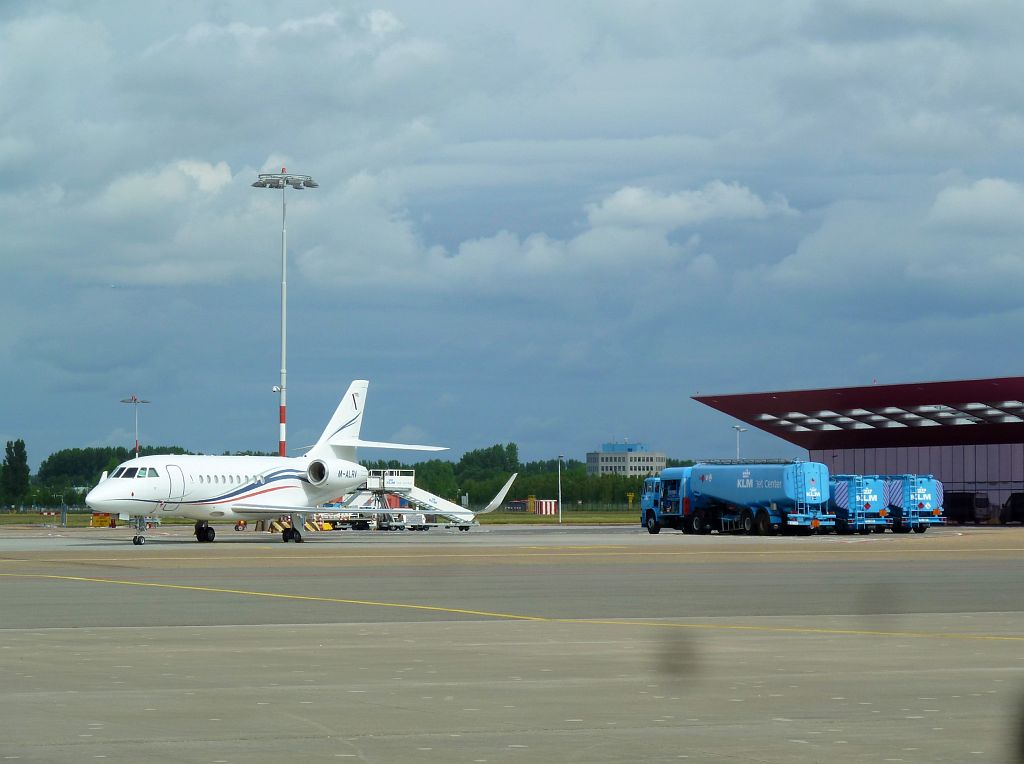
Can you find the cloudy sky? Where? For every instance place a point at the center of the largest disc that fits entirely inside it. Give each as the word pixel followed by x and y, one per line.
pixel 547 223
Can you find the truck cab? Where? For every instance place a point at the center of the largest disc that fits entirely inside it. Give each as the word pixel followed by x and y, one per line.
pixel 665 501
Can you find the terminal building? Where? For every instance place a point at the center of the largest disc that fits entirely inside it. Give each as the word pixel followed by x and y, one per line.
pixel 629 459
pixel 969 434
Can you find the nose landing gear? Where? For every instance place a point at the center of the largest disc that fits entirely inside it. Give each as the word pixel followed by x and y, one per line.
pixel 140 525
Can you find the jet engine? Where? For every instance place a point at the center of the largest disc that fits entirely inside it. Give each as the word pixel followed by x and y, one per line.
pixel 322 473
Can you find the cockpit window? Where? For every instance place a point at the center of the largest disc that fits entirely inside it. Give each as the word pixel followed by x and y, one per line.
pixel 153 472
pixel 130 472
pixel 141 473
pixel 117 472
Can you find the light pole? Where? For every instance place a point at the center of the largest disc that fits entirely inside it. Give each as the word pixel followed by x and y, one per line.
pixel 560 489
pixel 283 180
pixel 63 510
pixel 738 431
pixel 135 401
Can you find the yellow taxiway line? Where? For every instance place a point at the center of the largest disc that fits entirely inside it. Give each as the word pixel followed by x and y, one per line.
pixel 540 619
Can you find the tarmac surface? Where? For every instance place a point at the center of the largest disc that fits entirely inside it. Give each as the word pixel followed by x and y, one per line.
pixel 511 644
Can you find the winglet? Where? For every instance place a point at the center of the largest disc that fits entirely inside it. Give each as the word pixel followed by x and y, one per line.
pixel 497 500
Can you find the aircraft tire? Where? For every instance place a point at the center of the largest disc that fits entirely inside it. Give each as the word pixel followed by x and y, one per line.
pixel 209 534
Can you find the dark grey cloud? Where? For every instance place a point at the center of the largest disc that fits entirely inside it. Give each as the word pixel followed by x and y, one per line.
pixel 545 223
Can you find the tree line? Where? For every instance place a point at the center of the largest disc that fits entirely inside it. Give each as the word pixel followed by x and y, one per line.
pixel 482 473
pixel 71 472
pixel 65 475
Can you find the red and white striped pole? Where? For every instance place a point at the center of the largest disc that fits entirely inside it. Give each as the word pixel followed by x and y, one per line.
pixel 282 450
pixel 282 180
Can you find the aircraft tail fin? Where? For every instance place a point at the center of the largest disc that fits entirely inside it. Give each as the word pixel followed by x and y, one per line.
pixel 341 436
pixel 347 419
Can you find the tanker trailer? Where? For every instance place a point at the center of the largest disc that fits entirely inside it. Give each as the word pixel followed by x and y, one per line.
pixel 762 498
pixel 915 502
pixel 858 502
pixel 745 497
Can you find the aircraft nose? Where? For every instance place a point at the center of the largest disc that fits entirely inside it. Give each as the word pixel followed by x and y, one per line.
pixel 97 497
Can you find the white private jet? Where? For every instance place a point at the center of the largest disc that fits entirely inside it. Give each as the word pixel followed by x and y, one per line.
pixel 205 488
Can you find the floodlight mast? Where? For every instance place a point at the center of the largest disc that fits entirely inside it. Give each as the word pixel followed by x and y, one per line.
pixel 738 431
pixel 135 401
pixel 283 180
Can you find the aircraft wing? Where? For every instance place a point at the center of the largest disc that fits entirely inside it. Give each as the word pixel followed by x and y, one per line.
pixel 272 510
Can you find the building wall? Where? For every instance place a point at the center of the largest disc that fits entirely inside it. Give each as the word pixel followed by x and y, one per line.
pixel 625 463
pixel 993 469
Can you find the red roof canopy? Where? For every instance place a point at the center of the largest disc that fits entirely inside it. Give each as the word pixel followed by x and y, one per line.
pixel 877 416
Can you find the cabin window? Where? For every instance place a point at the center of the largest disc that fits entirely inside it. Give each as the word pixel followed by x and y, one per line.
pixel 200 478
pixel 670 489
pixel 238 479
pixel 130 472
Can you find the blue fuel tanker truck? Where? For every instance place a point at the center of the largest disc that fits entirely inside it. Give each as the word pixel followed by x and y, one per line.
pixel 743 497
pixel 859 503
pixel 915 502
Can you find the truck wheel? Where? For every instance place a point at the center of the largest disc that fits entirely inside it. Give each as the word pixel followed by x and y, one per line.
pixel 762 524
pixel 920 528
pixel 747 522
pixel 843 528
pixel 653 526
pixel 700 522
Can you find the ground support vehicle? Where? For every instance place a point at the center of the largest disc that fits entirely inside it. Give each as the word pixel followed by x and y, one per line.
pixel 915 502
pixel 858 502
pixel 757 497
pixel 1012 509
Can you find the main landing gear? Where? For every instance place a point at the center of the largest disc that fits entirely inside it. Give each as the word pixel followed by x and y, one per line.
pixel 204 533
pixel 291 534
